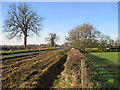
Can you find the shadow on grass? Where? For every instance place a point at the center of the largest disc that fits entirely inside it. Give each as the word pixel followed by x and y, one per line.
pixel 105 72
pixel 47 79
pixel 105 63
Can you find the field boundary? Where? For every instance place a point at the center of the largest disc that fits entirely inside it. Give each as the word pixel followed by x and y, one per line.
pixel 25 53
pixel 76 73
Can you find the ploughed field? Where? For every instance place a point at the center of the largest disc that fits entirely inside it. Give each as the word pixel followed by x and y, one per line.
pixel 33 71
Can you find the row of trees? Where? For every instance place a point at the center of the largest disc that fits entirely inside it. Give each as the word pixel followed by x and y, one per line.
pixel 86 36
pixel 22 20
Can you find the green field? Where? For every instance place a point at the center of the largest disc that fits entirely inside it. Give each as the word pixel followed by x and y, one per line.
pixel 109 56
pixel 104 69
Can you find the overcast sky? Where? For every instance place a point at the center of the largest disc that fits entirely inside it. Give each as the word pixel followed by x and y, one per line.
pixel 61 17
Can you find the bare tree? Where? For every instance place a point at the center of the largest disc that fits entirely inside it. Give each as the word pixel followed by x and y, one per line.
pixel 83 36
pixel 22 20
pixel 117 41
pixel 104 40
pixel 52 38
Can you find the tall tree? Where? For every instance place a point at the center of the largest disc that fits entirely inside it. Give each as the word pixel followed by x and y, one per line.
pixel 22 20
pixel 83 36
pixel 52 38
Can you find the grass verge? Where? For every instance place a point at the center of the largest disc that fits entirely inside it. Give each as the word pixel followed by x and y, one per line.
pixel 105 69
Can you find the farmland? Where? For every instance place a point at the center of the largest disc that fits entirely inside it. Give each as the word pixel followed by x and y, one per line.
pixel 105 69
pixel 59 45
pixel 61 69
pixel 24 72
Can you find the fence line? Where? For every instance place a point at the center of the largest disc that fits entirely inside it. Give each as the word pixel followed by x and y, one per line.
pixel 84 77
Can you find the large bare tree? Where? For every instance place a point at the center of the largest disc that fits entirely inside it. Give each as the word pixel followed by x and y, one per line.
pixel 22 20
pixel 52 38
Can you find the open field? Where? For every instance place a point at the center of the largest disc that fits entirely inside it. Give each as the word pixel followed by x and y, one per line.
pixel 105 68
pixel 61 69
pixel 32 71
pixel 110 56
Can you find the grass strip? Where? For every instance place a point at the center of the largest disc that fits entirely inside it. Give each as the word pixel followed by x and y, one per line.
pixel 24 51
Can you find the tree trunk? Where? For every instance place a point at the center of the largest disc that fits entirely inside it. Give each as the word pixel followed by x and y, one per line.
pixel 52 43
pixel 25 40
pixel 25 37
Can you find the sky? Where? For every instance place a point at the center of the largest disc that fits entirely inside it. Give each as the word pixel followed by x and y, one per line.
pixel 61 17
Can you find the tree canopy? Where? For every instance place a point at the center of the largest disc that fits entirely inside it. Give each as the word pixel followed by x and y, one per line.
pixel 83 36
pixel 22 20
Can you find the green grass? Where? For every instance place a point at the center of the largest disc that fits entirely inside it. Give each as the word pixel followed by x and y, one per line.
pixel 110 56
pixel 103 77
pixel 105 69
pixel 95 49
pixel 92 48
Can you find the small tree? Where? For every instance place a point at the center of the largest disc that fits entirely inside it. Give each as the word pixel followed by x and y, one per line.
pixel 22 20
pixel 52 38
pixel 104 40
